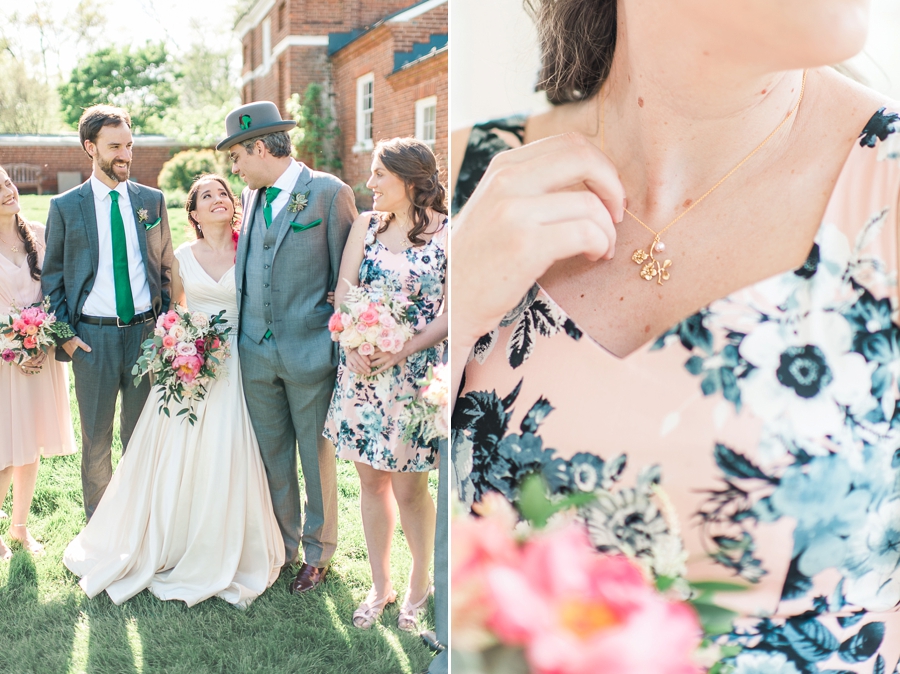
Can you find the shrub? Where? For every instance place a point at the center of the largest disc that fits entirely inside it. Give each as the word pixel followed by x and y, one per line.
pixel 179 172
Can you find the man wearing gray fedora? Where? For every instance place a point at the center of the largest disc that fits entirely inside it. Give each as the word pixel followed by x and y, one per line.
pixel 295 225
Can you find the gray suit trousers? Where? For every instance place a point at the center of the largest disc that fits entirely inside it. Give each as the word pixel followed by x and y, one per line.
pixel 286 413
pixel 100 375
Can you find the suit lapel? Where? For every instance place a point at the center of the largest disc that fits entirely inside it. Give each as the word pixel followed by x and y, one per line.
pixel 89 217
pixel 248 205
pixel 137 204
pixel 300 186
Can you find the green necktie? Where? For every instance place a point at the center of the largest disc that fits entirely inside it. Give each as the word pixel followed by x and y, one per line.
pixel 121 277
pixel 271 195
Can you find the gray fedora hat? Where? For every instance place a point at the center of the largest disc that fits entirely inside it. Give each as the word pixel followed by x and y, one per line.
pixel 252 121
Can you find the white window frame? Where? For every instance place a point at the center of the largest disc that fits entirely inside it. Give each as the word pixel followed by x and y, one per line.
pixel 364 112
pixel 267 41
pixel 423 124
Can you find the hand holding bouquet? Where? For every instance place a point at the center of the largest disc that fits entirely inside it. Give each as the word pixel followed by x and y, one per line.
pixel 427 415
pixel 186 353
pixel 367 320
pixel 27 334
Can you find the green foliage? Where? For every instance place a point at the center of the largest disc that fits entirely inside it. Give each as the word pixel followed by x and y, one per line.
pixel 27 104
pixel 179 172
pixel 316 134
pixel 537 508
pixel 141 80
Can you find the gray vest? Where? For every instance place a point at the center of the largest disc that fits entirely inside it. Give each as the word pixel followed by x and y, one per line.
pixel 256 306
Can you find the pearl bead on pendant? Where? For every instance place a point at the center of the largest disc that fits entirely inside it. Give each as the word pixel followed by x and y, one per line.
pixel 659 247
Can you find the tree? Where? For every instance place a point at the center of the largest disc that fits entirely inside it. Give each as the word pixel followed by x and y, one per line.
pixel 27 105
pixel 140 80
pixel 315 136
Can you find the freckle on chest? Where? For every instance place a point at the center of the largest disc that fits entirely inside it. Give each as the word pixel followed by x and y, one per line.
pixel 640 102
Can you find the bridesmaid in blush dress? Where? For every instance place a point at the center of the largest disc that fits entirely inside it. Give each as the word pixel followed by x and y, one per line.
pixel 35 419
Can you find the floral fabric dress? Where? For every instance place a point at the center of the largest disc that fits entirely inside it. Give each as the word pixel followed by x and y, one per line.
pixel 365 420
pixel 764 430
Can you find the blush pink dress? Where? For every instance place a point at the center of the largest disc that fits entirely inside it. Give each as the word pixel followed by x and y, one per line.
pixel 35 419
pixel 763 431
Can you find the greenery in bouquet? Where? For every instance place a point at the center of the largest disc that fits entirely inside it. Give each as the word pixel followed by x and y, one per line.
pixel 370 319
pixel 27 333
pixel 426 415
pixel 185 354
pixel 533 594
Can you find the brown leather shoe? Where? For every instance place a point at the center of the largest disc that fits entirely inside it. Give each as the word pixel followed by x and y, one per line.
pixel 307 578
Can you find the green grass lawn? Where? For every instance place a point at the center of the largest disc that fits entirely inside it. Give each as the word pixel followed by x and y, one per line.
pixel 48 625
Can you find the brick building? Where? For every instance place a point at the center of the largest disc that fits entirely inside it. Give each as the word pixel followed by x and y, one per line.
pixel 64 164
pixel 383 64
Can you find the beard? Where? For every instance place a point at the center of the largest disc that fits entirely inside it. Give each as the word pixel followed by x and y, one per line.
pixel 107 168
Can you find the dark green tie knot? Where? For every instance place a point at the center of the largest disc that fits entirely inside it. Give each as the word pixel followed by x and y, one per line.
pixel 271 194
pixel 114 196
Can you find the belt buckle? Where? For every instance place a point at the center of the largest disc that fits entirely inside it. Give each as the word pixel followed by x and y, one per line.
pixel 120 324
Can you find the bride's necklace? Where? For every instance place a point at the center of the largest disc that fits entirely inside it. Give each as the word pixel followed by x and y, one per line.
pixel 14 248
pixel 651 266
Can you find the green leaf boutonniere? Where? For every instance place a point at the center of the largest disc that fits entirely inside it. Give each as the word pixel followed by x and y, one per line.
pixel 298 201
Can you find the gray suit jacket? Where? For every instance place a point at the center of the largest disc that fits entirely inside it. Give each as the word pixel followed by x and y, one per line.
pixel 305 268
pixel 73 250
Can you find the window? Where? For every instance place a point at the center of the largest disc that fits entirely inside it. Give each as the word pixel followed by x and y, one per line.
pixel 365 105
pixel 267 41
pixel 426 119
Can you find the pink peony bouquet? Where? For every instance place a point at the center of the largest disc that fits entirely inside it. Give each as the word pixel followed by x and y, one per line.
pixel 367 320
pixel 544 601
pixel 427 415
pixel 186 352
pixel 26 333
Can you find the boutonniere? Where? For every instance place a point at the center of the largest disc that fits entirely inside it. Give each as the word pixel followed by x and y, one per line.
pixel 142 216
pixel 297 227
pixel 298 201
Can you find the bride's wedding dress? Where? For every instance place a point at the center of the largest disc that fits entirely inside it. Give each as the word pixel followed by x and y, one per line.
pixel 187 513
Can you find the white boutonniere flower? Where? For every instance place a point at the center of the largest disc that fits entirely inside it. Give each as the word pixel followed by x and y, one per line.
pixel 298 201
pixel 142 215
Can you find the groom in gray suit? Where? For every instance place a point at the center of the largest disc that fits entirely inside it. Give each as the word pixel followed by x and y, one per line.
pixel 107 271
pixel 295 225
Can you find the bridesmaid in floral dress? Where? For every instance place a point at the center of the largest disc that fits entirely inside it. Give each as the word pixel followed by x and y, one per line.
pixel 400 246
pixel 34 398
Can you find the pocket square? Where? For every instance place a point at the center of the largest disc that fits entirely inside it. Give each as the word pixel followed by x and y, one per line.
pixel 151 225
pixel 298 227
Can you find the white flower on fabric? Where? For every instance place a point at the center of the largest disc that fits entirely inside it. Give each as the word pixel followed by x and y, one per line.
pixel 764 663
pixel 889 148
pixel 200 320
pixel 806 375
pixel 872 581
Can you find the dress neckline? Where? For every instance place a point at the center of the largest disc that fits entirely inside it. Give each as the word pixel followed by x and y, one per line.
pixel 405 250
pixel 647 345
pixel 206 273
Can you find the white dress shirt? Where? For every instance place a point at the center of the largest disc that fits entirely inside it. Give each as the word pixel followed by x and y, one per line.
pixel 101 301
pixel 286 184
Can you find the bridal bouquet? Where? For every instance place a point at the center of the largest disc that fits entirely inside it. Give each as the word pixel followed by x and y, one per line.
pixel 370 319
pixel 26 333
pixel 536 597
pixel 427 415
pixel 186 352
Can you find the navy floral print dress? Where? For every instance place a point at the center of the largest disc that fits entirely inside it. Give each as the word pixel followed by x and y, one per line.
pixel 364 420
pixel 757 441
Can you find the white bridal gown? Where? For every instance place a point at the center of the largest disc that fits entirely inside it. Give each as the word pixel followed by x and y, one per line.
pixel 187 513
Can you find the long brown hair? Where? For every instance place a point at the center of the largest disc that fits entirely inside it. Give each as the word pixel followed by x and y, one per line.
pixel 25 231
pixel 414 163
pixel 577 40
pixel 190 204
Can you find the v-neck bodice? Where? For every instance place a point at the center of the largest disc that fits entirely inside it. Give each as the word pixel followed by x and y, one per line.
pixel 203 292
pixel 770 419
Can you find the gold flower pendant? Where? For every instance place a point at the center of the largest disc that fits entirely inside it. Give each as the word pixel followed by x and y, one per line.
pixel 654 268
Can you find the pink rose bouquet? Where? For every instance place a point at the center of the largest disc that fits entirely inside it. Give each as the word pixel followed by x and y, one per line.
pixel 427 415
pixel 544 601
pixel 370 319
pixel 26 333
pixel 186 352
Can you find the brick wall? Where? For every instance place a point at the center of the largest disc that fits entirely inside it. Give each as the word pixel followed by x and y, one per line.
pixel 145 166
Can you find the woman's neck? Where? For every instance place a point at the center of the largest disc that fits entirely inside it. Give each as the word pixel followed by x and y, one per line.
pixel 218 237
pixel 676 118
pixel 8 225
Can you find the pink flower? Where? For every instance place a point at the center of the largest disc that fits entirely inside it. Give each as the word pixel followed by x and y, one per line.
pixel 169 341
pixel 387 321
pixel 31 330
pixel 214 343
pixel 398 345
pixel 366 349
pixel 385 344
pixel 8 356
pixel 200 345
pixel 346 320
pixel 169 319
pixel 19 325
pixel 369 316
pixel 187 367
pixel 29 342
pixel 596 618
pixel 335 323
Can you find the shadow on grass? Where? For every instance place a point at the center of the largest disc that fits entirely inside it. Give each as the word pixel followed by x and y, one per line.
pixel 35 638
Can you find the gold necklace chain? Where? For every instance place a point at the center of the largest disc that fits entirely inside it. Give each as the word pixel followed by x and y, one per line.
pixel 660 269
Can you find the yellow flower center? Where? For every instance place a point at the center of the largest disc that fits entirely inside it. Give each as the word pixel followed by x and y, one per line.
pixel 584 618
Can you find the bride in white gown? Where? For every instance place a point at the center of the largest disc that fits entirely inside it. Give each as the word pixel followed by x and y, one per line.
pixel 187 513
